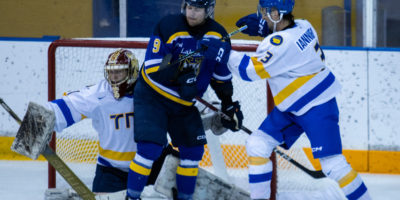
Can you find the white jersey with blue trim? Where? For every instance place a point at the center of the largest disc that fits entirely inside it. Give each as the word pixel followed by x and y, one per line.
pixel 293 63
pixel 111 118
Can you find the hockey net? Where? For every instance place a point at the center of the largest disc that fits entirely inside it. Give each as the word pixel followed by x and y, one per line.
pixel 75 63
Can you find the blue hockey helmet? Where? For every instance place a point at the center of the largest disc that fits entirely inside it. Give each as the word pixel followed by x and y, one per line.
pixel 283 6
pixel 207 4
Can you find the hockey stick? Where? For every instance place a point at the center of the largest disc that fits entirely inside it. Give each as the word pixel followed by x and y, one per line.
pixel 312 173
pixel 58 164
pixel 164 63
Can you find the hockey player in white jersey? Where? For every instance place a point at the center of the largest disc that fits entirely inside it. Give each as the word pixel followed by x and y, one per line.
pixel 304 91
pixel 109 104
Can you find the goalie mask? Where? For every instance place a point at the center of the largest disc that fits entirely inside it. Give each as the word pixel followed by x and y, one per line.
pixel 208 5
pixel 121 71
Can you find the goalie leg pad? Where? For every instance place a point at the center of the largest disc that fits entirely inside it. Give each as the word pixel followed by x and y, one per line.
pixel 208 186
pixel 61 194
pixel 337 168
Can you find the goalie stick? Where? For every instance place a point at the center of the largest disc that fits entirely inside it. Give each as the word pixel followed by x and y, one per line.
pixel 312 173
pixel 167 58
pixel 82 190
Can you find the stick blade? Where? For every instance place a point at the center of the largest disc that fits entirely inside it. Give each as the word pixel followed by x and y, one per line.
pixel 35 131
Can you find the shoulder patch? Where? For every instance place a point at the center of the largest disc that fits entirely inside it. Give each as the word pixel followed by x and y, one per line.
pixel 276 40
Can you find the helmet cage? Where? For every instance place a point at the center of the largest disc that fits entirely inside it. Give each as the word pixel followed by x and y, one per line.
pixel 283 6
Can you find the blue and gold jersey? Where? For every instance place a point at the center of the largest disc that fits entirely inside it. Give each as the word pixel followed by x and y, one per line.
pixel 175 37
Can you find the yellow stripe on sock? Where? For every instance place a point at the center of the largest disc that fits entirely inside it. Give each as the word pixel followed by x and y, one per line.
pixel 139 169
pixel 187 171
pixel 258 160
pixel 347 179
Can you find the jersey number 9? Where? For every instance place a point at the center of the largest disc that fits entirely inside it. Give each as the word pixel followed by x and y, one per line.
pixel 156 45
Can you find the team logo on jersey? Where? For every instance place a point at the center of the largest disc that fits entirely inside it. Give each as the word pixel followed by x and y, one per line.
pixel 192 63
pixel 276 40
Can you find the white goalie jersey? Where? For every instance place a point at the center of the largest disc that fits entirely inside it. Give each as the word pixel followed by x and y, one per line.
pixel 111 118
pixel 293 63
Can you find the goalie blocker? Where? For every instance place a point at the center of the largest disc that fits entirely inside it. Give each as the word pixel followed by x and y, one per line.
pixel 32 138
pixel 35 131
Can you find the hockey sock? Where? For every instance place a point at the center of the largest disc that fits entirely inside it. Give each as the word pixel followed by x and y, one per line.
pixel 140 167
pixel 336 168
pixel 187 171
pixel 260 174
pixel 259 147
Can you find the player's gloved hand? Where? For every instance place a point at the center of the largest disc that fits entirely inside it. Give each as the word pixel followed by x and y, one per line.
pixel 256 26
pixel 216 49
pixel 236 115
pixel 188 88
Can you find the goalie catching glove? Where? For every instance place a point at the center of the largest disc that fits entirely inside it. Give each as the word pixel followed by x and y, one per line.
pixel 232 110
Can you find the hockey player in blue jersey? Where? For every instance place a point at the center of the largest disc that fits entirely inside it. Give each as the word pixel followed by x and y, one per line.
pixel 164 95
pixel 304 91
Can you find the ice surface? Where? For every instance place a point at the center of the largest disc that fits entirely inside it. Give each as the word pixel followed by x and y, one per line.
pixel 20 180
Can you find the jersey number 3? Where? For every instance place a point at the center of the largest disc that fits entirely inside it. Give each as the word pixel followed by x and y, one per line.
pixel 317 47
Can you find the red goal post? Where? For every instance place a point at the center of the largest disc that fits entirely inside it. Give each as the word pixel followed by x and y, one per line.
pixel 109 44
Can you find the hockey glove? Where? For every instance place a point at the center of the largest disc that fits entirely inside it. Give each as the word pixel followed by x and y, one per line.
pixel 235 114
pixel 215 49
pixel 187 86
pixel 257 26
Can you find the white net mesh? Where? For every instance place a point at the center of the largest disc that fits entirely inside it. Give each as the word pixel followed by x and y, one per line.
pixel 75 68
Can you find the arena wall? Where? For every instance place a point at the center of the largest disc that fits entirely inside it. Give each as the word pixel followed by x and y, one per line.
pixel 369 101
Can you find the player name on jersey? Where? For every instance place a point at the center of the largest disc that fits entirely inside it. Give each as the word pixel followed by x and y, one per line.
pixel 305 39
